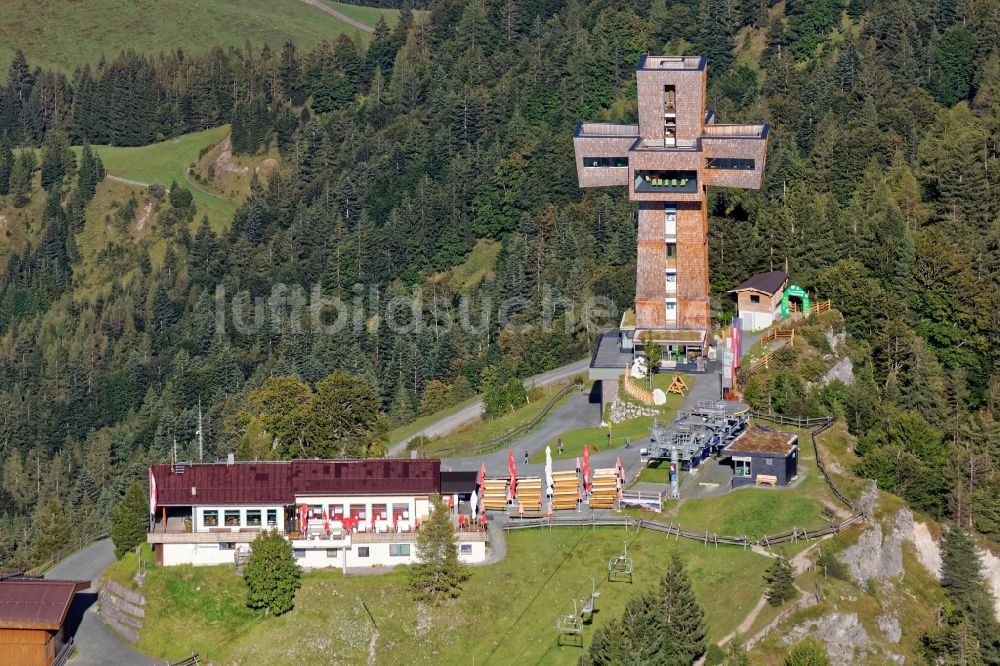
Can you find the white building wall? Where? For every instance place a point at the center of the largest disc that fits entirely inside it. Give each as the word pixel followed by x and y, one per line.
pixel 198 554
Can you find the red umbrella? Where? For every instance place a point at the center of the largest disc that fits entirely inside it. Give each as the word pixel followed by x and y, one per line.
pixel 586 468
pixel 618 466
pixel 482 475
pixel 305 517
pixel 326 522
pixel 513 473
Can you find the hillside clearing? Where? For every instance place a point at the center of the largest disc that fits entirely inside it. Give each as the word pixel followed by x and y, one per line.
pixel 52 35
pixel 505 614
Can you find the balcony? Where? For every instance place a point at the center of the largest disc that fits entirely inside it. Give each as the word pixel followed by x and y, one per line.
pixel 605 131
pixel 672 62
pixel 735 131
pixel 666 182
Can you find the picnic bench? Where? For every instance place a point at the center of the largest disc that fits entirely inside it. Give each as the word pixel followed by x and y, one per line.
pixel 768 479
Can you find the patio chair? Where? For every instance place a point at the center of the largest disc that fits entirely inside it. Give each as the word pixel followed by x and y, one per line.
pixel 673 182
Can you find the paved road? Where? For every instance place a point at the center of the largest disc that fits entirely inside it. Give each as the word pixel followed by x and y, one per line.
pixel 453 421
pixel 96 644
pixel 334 13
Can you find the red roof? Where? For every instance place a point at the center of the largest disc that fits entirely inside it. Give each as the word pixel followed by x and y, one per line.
pixel 27 602
pixel 280 482
pixel 239 483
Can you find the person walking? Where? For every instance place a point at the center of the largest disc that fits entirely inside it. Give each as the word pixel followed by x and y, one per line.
pixel 526 456
pixel 559 446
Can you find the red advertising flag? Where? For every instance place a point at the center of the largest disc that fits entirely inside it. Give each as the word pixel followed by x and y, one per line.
pixel 513 473
pixel 586 468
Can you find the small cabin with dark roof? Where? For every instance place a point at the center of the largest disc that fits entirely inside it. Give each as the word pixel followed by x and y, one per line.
pixel 762 455
pixel 33 613
pixel 759 299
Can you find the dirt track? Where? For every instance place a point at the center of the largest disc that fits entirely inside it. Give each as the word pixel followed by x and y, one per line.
pixel 318 4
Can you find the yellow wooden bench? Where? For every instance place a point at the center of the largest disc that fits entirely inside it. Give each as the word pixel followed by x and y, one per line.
pixel 769 479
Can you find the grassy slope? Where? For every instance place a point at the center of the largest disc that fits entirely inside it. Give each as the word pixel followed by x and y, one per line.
pixel 402 432
pixel 64 35
pixel 481 261
pixel 597 438
pixel 505 614
pixel 166 162
pixel 367 15
pixel 19 225
pixel 480 431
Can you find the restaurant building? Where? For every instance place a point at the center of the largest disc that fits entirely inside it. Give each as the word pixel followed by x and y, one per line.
pixel 33 614
pixel 336 513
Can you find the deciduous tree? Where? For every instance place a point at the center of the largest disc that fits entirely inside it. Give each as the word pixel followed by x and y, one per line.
pixel 271 573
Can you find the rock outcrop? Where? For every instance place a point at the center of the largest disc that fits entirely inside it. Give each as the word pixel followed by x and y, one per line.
pixel 889 626
pixel 877 556
pixel 842 370
pixel 846 641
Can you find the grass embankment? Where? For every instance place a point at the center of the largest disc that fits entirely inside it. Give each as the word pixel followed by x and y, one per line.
pixel 410 429
pixel 506 613
pixel 368 15
pixel 54 34
pixel 662 381
pixel 480 431
pixel 597 438
pixel 166 162
pixel 480 262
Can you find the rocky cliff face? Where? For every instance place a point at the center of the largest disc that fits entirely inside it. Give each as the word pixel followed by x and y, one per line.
pixel 877 556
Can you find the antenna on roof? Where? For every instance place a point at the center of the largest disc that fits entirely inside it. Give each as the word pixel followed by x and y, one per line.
pixel 201 440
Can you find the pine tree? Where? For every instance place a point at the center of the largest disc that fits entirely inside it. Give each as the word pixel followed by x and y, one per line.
pixel 439 574
pixel 54 529
pixel 130 519
pixel 271 573
pixel 963 582
pixel 685 636
pixel 612 646
pixel 736 655
pixel 20 179
pixel 716 35
pixel 6 165
pixel 780 582
pixel 57 158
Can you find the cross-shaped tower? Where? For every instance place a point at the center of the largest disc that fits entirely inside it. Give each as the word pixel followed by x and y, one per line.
pixel 667 161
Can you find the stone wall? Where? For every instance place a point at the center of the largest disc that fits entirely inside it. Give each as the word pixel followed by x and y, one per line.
pixel 122 609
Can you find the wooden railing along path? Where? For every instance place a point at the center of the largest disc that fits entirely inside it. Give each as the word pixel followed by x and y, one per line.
pixel 501 440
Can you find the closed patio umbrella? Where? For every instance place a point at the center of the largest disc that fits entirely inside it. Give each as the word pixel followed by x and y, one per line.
pixel 548 471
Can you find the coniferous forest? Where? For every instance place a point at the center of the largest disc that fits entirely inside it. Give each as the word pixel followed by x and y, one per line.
pixel 881 193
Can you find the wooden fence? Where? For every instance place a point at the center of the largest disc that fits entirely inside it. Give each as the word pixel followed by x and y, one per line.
pixel 645 396
pixel 500 441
